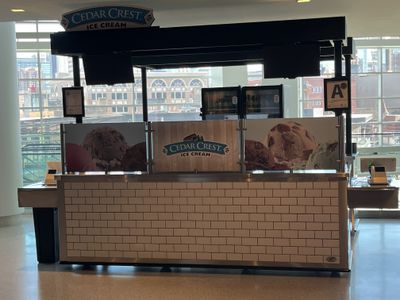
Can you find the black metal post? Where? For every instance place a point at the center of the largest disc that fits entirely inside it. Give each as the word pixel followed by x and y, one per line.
pixel 77 79
pixel 348 112
pixel 338 62
pixel 144 95
pixel 338 58
pixel 349 50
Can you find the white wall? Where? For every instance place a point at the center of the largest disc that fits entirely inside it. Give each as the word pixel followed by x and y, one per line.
pixel 10 152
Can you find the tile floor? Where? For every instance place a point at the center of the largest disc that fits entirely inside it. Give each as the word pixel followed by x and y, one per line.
pixel 375 274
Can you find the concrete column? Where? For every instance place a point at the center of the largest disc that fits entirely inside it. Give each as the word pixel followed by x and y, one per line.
pixel 10 149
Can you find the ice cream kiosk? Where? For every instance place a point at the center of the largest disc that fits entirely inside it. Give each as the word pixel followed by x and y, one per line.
pixel 235 192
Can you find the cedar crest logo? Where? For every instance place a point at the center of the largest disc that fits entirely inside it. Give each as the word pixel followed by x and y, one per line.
pixel 107 17
pixel 195 145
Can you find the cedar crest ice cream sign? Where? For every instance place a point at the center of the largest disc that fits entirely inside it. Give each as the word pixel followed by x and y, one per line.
pixel 195 145
pixel 107 17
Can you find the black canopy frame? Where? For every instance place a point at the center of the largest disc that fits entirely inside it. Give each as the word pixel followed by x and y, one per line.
pixel 209 45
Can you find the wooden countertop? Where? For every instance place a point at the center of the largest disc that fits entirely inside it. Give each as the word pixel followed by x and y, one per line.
pixel 360 194
pixel 38 195
pixel 362 183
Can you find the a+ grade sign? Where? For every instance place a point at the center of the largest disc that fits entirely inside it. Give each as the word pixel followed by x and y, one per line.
pixel 337 93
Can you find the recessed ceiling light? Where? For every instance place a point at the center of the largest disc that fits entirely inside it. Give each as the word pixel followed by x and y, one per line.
pixel 17 10
pixel 303 1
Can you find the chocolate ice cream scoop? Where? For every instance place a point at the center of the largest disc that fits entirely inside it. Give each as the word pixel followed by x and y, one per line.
pixel 106 145
pixel 257 156
pixel 290 141
pixel 135 158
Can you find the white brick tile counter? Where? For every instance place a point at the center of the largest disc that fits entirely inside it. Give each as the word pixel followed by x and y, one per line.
pixel 288 220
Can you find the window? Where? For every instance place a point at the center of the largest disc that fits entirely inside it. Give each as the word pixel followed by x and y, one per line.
pixel 137 90
pixel 119 109
pixel 390 60
pixel 41 77
pixel 375 94
pixel 178 91
pixel 119 96
pixel 96 97
pixel 158 91
pixel 317 90
pixel 194 98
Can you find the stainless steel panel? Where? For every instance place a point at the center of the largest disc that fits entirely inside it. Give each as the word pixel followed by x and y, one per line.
pixel 302 176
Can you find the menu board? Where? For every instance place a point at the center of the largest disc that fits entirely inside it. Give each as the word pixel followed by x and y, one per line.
pixel 73 102
pixel 105 147
pixel 220 103
pixel 197 146
pixel 292 144
pixel 263 102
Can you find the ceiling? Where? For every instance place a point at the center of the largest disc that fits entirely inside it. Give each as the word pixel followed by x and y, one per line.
pixel 363 17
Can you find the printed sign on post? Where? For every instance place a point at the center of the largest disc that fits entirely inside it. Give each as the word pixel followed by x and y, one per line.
pixel 73 102
pixel 337 93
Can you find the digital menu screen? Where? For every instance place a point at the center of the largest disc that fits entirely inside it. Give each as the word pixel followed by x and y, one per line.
pixel 263 102
pixel 220 103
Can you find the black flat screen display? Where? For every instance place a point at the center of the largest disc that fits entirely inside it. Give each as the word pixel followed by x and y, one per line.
pixel 291 61
pixel 108 69
pixel 220 103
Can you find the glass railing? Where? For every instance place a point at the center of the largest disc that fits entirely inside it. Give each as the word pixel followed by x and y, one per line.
pixel 34 158
pixel 372 140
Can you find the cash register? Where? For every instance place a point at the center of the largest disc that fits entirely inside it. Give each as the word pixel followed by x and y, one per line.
pixel 378 175
pixel 53 168
pixel 377 191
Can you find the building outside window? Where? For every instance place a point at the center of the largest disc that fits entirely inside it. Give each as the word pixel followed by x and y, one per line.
pixel 177 91
pixel 193 102
pixel 158 91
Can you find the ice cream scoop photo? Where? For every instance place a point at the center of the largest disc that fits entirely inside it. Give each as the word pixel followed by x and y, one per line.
pixel 325 156
pixel 78 159
pixel 107 147
pixel 135 158
pixel 258 156
pixel 290 142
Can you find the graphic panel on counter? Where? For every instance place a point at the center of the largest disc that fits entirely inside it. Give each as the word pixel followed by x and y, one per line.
pixel 208 146
pixel 105 147
pixel 292 144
